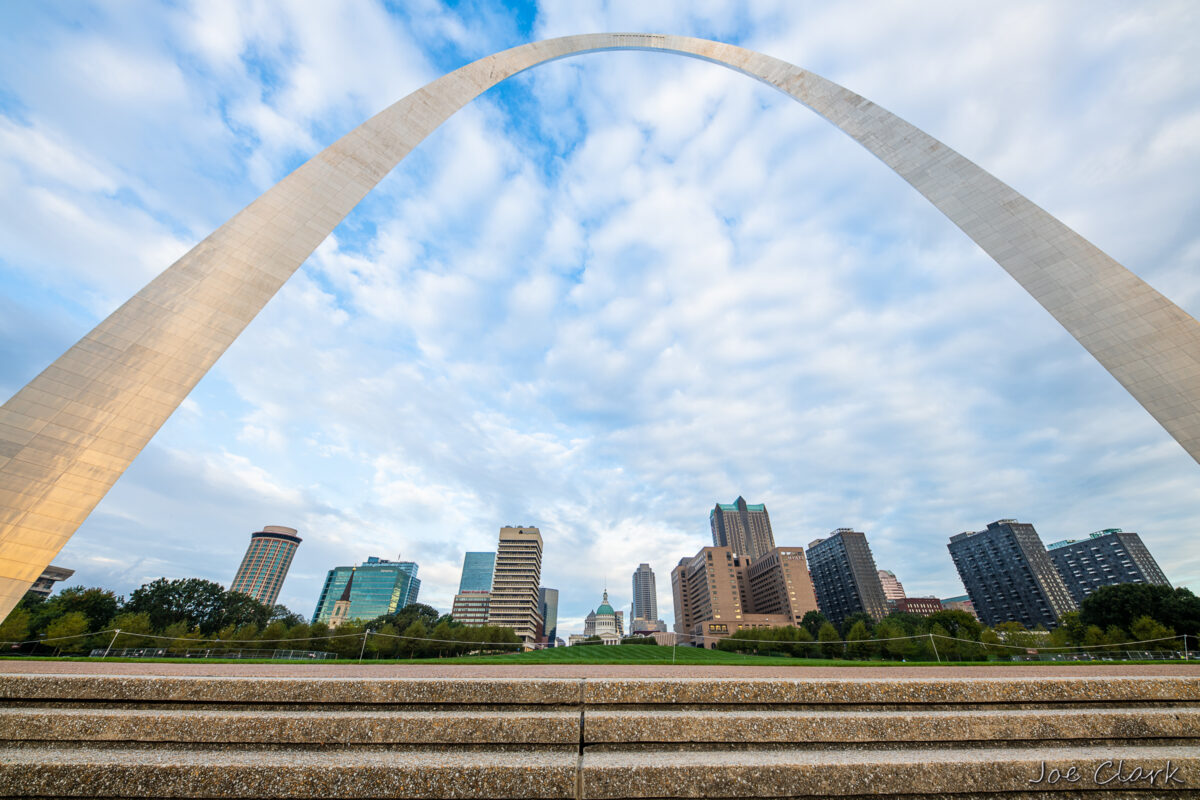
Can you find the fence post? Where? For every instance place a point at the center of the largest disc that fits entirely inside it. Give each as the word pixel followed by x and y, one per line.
pixel 363 649
pixel 118 632
pixel 935 652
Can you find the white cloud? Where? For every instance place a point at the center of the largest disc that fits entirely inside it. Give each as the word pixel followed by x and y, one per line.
pixel 621 288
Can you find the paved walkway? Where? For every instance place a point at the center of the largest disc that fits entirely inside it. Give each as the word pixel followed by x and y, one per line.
pixel 368 670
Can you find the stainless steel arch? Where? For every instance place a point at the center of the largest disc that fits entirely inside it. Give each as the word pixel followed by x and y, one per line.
pixel 69 434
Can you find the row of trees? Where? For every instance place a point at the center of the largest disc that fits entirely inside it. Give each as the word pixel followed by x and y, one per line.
pixel 1114 617
pixel 192 614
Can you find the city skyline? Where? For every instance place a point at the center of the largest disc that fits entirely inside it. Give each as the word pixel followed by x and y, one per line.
pixel 1061 469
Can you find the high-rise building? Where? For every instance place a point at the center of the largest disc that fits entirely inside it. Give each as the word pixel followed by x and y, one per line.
pixel 51 575
pixel 645 596
pixel 515 579
pixel 922 606
pixel 778 582
pixel 893 590
pixel 960 602
pixel 379 587
pixel 1009 576
pixel 845 577
pixel 266 563
pixel 477 572
pixel 1105 558
pixel 717 594
pixel 548 608
pixel 471 608
pixel 414 583
pixel 743 528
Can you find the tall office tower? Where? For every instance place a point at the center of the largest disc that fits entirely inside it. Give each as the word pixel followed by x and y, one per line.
pixel 779 583
pixel 1105 558
pixel 845 577
pixel 414 583
pixel 743 528
pixel 514 601
pixel 548 608
pixel 471 608
pixel 1009 576
pixel 893 590
pixel 717 593
pixel 645 597
pixel 266 563
pixel 477 572
pixel 380 587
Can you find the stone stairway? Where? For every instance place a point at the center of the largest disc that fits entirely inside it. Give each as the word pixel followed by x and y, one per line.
pixel 160 737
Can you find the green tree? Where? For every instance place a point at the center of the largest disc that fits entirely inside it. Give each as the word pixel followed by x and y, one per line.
pixel 64 633
pixel 98 605
pixel 942 645
pixel 241 610
pixel 1113 635
pixel 860 644
pixel 958 624
pixel 851 620
pixel 1150 633
pixel 192 600
pixel 992 642
pixel 412 644
pixel 1123 603
pixel 135 629
pixel 812 622
pixel 15 627
pixel 281 613
pixel 831 647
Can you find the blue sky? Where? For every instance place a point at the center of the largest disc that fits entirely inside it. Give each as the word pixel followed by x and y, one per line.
pixel 613 291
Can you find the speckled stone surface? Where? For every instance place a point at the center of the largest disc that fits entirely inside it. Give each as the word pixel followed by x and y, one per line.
pixel 403 691
pixel 607 737
pixel 881 690
pixel 291 727
pixel 749 727
pixel 337 774
pixel 808 773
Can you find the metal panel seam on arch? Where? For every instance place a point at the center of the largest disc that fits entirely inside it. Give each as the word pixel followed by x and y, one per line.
pixel 67 436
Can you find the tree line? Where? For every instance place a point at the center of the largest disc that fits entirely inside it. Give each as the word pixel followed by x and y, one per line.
pixel 192 614
pixel 1112 618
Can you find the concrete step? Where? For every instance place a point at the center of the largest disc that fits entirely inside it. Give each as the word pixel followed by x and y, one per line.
pixel 170 773
pixel 612 692
pixel 641 729
pixel 217 737
pixel 330 728
pixel 647 728
pixel 1149 772
pixel 991 772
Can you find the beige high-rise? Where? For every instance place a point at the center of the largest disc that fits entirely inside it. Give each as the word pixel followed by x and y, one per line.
pixel 515 581
pixel 69 434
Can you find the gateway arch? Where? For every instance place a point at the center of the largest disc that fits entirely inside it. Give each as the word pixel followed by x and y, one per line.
pixel 67 436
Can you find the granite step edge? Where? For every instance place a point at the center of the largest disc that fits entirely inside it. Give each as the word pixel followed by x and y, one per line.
pixel 469 774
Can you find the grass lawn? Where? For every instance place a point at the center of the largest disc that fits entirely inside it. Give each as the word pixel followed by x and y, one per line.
pixel 617 654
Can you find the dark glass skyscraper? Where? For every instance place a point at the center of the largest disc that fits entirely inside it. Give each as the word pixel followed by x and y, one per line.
pixel 477 572
pixel 844 576
pixel 743 528
pixel 1105 558
pixel 548 608
pixel 1009 576
pixel 380 587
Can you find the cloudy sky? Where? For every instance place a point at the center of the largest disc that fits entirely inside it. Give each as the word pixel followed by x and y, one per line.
pixel 611 292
